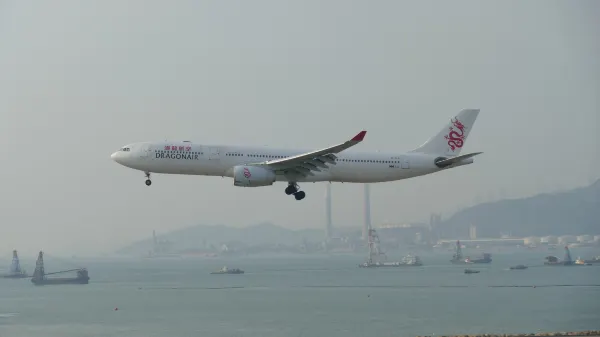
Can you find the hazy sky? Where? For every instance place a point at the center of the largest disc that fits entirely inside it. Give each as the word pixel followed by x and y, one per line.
pixel 78 79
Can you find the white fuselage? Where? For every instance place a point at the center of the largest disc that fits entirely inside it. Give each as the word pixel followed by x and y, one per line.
pixel 219 160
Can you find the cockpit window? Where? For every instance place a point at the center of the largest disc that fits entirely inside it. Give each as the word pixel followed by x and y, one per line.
pixel 125 149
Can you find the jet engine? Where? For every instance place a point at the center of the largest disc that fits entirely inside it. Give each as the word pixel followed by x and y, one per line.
pixel 443 162
pixel 252 176
pixel 439 162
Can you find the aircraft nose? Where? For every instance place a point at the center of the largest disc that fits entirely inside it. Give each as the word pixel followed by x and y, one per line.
pixel 115 156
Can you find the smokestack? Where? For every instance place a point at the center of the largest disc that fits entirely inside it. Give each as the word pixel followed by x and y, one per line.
pixel 367 223
pixel 328 224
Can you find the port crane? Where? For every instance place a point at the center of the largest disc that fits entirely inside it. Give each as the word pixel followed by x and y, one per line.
pixel 15 268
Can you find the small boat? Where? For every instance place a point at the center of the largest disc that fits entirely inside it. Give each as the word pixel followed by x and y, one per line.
pixel 519 266
pixel 471 271
pixel 226 270
pixel 582 262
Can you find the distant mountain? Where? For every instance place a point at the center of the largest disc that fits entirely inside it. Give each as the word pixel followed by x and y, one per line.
pixel 202 236
pixel 573 212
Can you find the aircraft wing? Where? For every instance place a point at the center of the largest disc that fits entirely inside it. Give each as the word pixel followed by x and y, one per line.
pixel 304 164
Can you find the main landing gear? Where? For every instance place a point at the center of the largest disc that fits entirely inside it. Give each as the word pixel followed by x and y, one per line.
pixel 293 189
pixel 148 181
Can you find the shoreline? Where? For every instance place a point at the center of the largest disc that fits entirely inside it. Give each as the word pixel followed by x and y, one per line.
pixel 544 334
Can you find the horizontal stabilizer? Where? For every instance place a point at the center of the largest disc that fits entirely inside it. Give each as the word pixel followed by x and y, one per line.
pixel 445 162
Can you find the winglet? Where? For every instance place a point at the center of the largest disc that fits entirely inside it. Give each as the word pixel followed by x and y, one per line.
pixel 360 136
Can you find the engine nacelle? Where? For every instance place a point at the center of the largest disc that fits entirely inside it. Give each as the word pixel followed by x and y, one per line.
pixel 252 176
pixel 438 160
pixel 443 162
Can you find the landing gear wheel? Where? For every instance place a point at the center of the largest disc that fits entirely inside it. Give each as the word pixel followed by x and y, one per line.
pixel 148 182
pixel 291 189
pixel 299 195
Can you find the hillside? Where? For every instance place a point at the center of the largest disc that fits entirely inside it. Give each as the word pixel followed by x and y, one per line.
pixel 572 212
pixel 201 235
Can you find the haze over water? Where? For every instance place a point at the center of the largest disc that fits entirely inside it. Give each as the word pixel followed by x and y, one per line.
pixel 305 296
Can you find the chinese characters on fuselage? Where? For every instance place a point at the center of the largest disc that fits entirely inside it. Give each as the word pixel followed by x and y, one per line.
pixel 177 152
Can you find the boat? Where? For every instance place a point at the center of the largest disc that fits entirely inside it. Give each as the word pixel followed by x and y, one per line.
pixel 411 260
pixel 161 256
pixel 471 271
pixel 567 261
pixel 226 270
pixel 375 254
pixel 407 261
pixel 595 259
pixel 552 261
pixel 40 276
pixel 486 258
pixel 580 261
pixel 458 258
pixel 519 266
pixel 160 249
pixel 15 268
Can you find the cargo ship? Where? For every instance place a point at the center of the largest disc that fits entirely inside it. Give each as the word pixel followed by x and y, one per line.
pixel 15 268
pixel 407 261
pixel 226 270
pixel 595 259
pixel 486 258
pixel 40 276
pixel 375 254
pixel 567 261
pixel 458 258
pixel 160 249
pixel 471 271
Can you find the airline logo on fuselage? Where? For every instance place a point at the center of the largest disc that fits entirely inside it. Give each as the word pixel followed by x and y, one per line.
pixel 185 156
pixel 177 152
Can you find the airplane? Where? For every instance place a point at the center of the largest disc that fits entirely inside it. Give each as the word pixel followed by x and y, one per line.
pixel 262 166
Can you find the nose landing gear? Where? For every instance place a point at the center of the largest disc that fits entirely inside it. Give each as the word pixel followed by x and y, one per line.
pixel 293 189
pixel 148 181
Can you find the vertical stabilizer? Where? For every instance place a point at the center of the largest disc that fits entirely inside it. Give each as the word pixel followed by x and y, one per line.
pixel 452 138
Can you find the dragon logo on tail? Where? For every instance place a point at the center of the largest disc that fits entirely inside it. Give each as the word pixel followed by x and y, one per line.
pixel 247 173
pixel 456 136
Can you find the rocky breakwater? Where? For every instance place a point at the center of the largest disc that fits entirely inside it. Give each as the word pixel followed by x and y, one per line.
pixel 537 334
